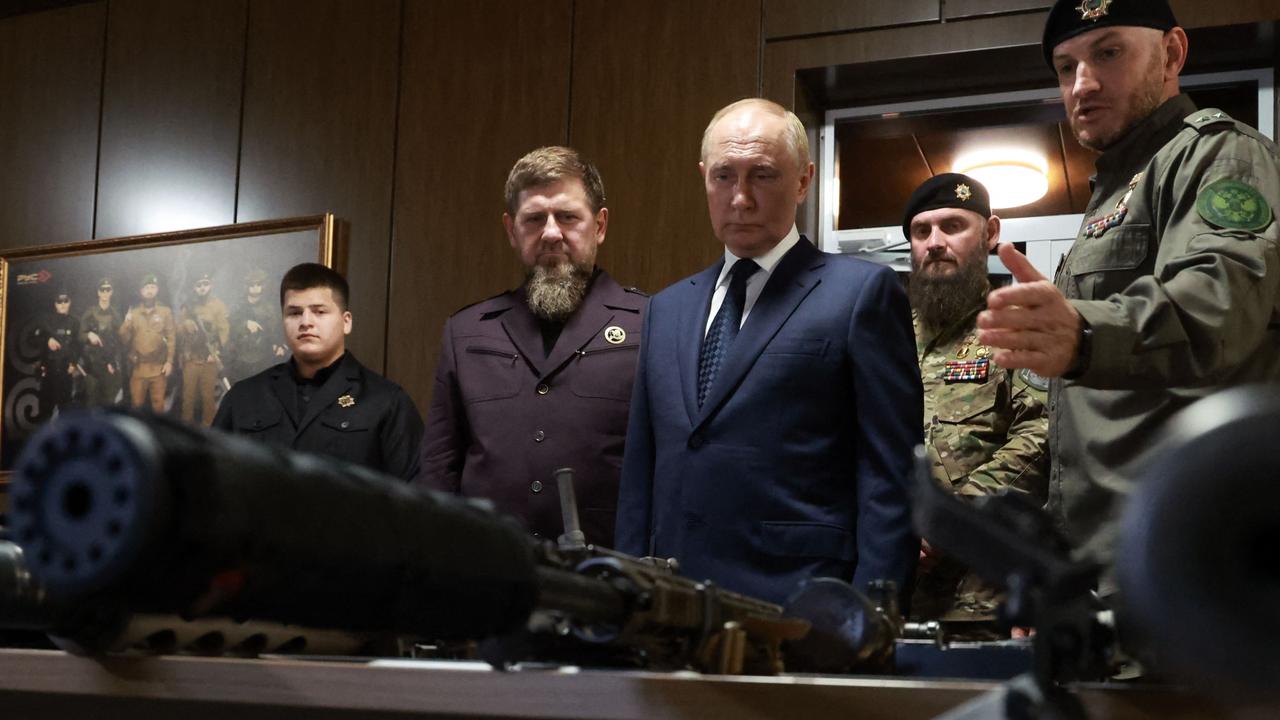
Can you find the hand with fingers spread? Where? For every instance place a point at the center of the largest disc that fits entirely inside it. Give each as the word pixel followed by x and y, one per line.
pixel 1031 324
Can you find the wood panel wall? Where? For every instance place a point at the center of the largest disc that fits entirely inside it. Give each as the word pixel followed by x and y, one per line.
pixel 170 116
pixel 789 18
pixel 50 99
pixel 320 99
pixel 646 140
pixel 403 117
pixel 475 96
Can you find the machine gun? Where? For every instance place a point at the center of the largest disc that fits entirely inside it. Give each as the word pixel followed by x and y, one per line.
pixel 107 627
pixel 164 518
pixel 1012 543
pixel 1198 590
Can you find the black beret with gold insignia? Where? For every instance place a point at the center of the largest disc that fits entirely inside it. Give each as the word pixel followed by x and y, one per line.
pixel 1070 18
pixel 948 190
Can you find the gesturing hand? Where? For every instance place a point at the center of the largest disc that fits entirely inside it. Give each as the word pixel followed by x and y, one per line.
pixel 1031 325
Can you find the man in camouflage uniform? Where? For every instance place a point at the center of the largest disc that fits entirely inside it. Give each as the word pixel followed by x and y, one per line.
pixel 149 333
pixel 1169 292
pixel 257 342
pixel 99 338
pixel 985 427
pixel 202 335
pixel 57 335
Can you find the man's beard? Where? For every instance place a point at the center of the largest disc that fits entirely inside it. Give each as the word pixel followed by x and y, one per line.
pixel 554 293
pixel 941 301
pixel 1143 101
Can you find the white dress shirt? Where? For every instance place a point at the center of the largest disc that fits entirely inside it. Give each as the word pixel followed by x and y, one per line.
pixel 755 283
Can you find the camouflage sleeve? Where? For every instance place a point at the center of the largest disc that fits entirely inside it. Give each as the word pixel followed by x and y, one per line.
pixel 1021 464
pixel 1205 309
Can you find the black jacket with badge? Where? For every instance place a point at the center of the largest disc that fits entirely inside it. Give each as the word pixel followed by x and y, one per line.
pixel 505 414
pixel 356 415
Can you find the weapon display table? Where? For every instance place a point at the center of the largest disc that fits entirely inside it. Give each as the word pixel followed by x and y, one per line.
pixel 39 683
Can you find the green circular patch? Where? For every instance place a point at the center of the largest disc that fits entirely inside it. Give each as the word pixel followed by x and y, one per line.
pixel 1233 205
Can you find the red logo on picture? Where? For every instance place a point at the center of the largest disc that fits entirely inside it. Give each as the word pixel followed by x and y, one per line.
pixel 35 278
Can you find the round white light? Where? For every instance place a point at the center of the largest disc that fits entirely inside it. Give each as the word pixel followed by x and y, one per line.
pixel 1012 177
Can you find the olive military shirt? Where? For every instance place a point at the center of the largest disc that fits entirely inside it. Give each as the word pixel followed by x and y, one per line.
pixel 1175 271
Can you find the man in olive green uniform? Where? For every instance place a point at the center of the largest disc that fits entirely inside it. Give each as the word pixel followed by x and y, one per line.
pixel 99 338
pixel 257 342
pixel 1170 290
pixel 985 427
pixel 149 333
pixel 202 335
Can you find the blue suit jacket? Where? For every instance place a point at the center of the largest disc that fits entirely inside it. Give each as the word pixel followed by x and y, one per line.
pixel 797 463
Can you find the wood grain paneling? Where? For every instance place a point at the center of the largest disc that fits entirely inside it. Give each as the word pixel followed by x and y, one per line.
pixel 476 94
pixel 319 134
pixel 1197 13
pixel 50 98
pixel 647 78
pixel 783 59
pixel 170 116
pixel 784 18
pixel 953 9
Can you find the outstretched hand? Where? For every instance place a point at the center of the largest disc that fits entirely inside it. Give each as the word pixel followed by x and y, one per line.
pixel 1031 325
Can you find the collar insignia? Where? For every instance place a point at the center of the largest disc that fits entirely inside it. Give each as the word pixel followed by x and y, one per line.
pixel 346 401
pixel 615 335
pixel 963 193
pixel 1094 9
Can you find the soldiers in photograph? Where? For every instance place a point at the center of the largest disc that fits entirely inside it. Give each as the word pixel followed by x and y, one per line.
pixel 256 339
pixel 57 336
pixel 100 349
pixel 149 334
pixel 202 334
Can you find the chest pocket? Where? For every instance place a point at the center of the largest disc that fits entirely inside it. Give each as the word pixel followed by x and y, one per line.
pixel 1102 267
pixel 489 371
pixel 346 425
pixel 259 420
pixel 605 372
pixel 968 427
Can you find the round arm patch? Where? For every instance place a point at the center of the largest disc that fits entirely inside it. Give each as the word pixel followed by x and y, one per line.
pixel 1233 205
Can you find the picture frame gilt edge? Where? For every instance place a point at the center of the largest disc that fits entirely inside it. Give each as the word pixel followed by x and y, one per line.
pixel 333 240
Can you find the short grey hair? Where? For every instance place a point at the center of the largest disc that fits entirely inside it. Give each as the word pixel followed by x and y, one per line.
pixel 793 134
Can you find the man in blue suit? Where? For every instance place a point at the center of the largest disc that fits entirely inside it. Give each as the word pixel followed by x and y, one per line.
pixel 777 396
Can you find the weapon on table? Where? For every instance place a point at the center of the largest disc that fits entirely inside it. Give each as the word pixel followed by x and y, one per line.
pixel 170 519
pixel 1012 543
pixel 91 628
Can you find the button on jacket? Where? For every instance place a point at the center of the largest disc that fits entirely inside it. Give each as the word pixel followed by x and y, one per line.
pixel 356 415
pixel 505 414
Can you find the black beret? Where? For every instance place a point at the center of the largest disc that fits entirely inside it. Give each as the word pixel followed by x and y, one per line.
pixel 948 190
pixel 1070 18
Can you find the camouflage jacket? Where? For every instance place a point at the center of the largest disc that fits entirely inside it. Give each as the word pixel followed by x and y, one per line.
pixel 204 329
pixel 986 430
pixel 1177 271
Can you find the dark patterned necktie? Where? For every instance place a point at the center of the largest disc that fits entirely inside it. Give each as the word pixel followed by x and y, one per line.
pixel 715 346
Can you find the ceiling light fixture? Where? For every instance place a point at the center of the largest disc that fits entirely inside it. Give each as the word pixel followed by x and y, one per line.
pixel 1012 177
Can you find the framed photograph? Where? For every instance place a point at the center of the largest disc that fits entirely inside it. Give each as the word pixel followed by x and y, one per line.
pixel 164 322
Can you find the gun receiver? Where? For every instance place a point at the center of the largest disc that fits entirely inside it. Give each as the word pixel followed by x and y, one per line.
pixel 167 518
